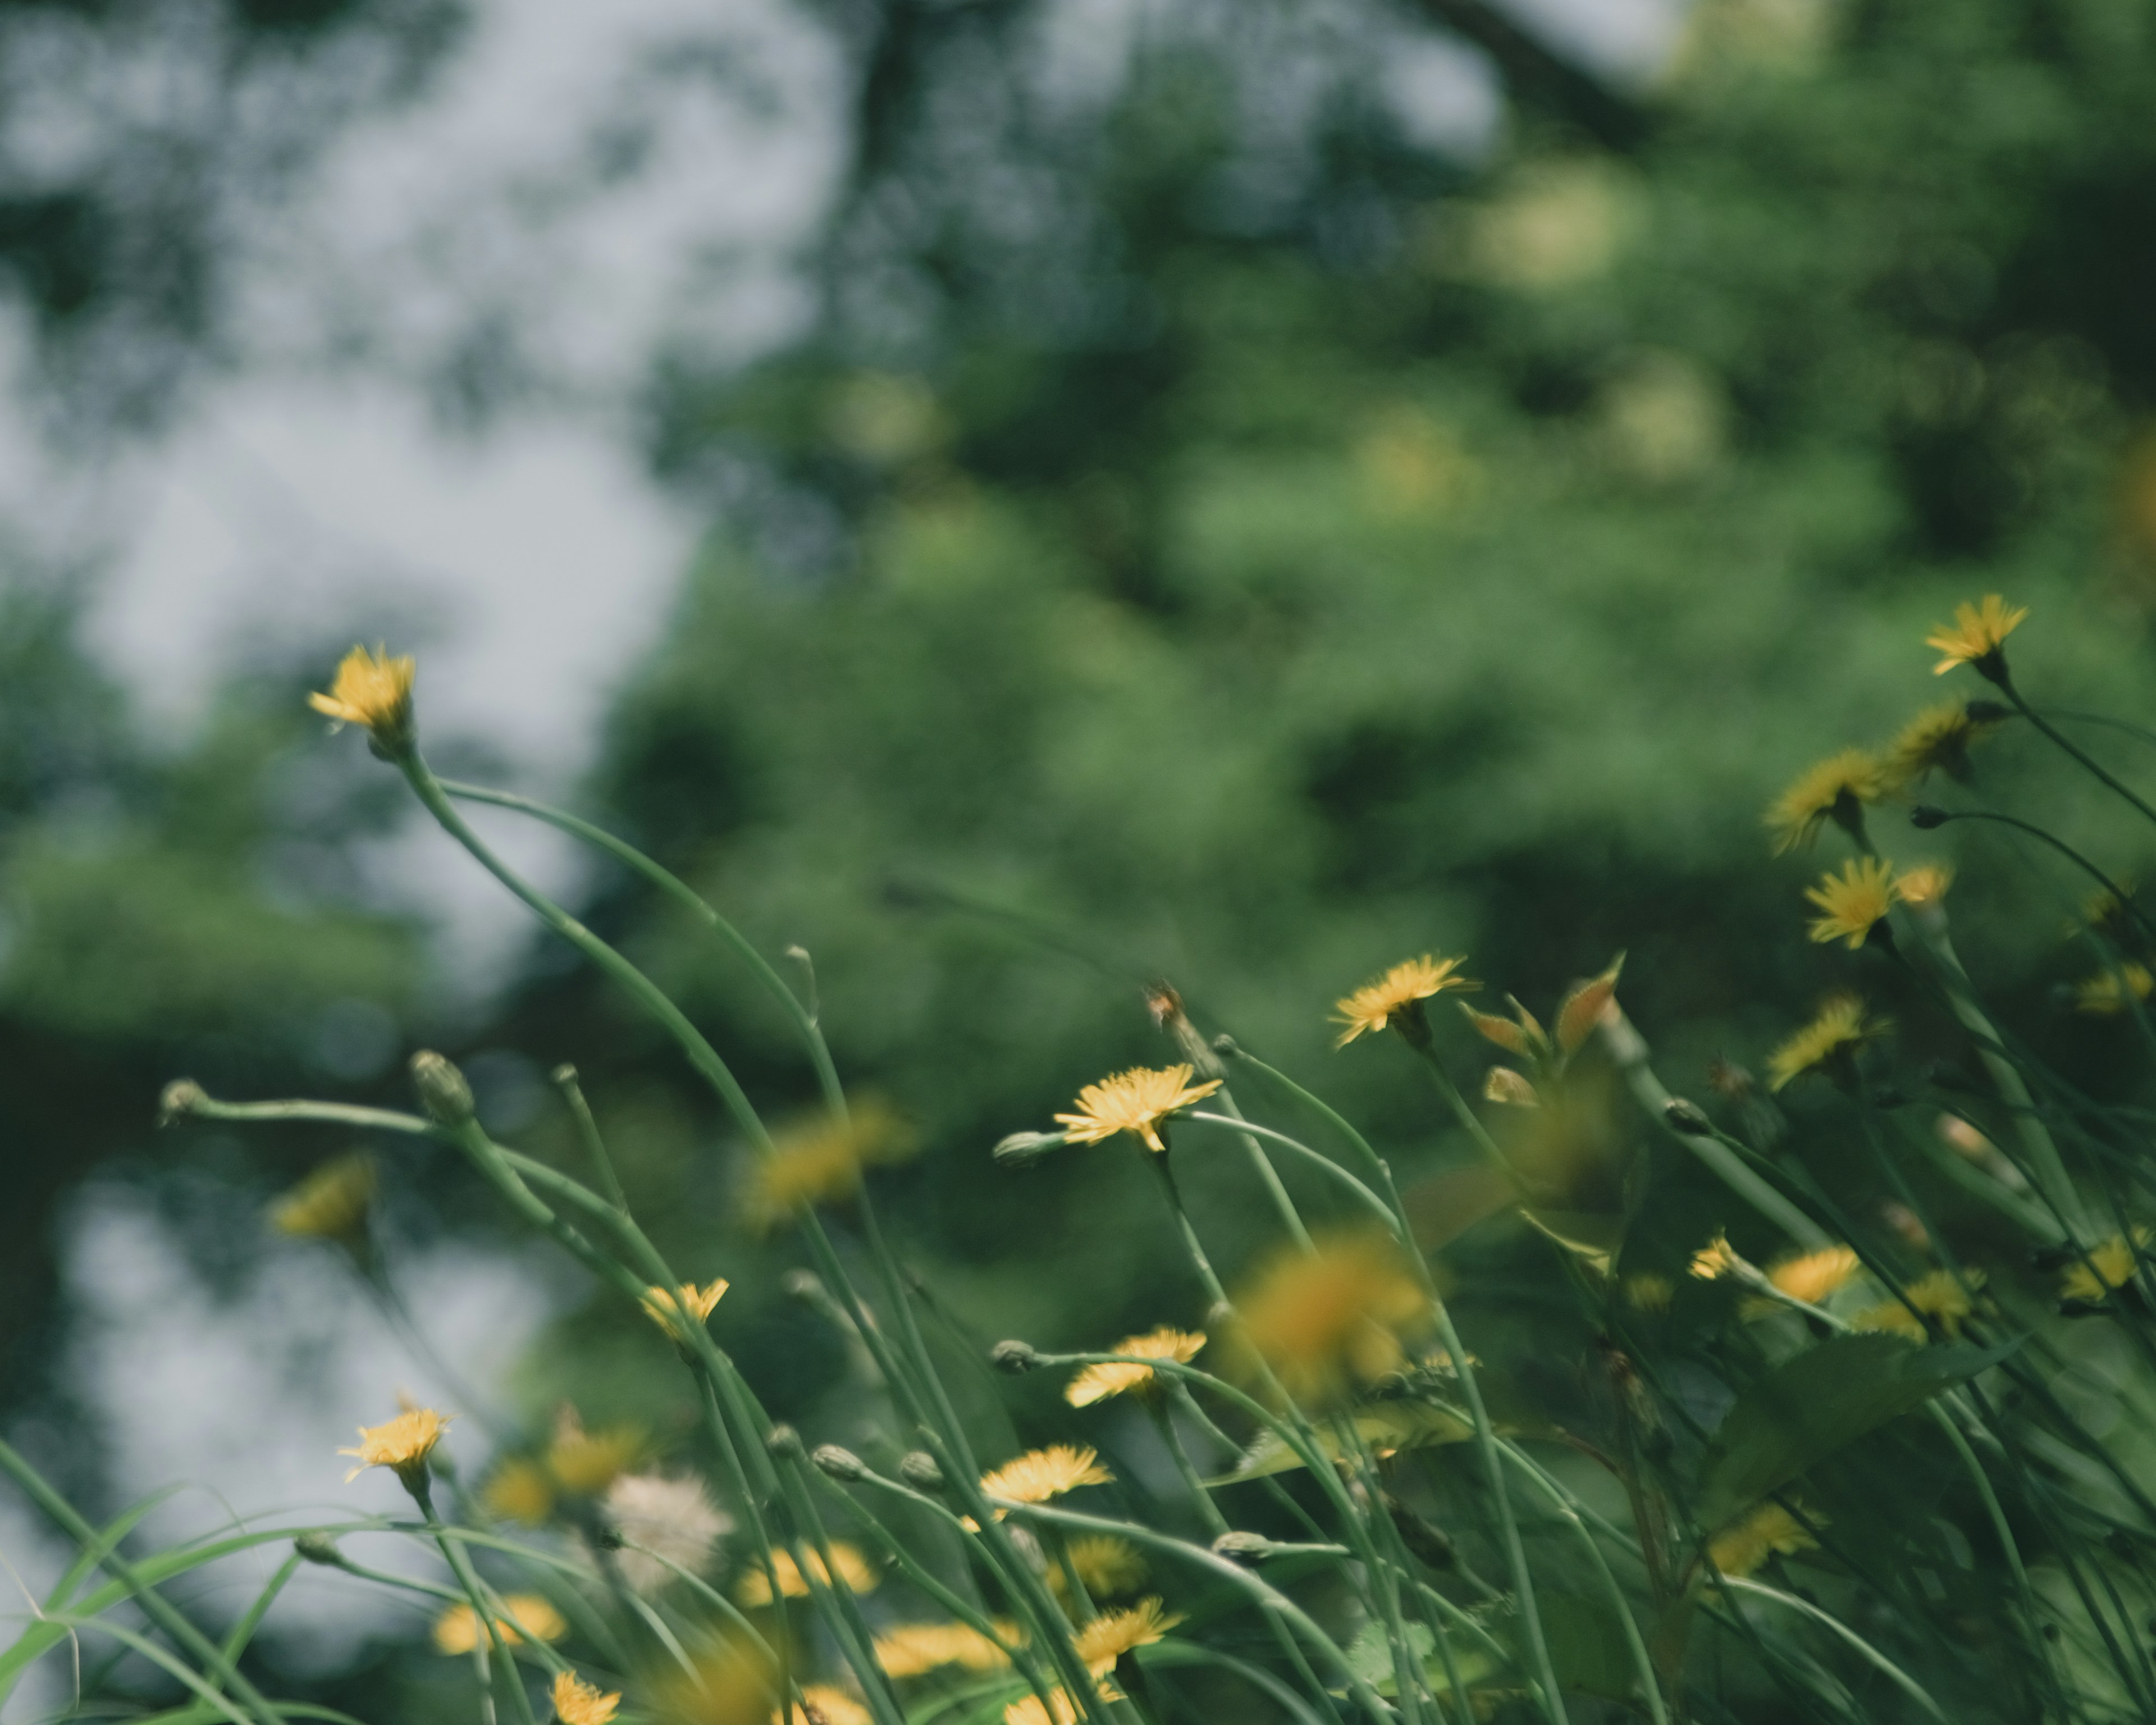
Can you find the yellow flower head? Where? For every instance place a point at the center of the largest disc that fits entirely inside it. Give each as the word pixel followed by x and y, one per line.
pixel 1135 1102
pixel 1097 1383
pixel 1743 1546
pixel 1327 1320
pixel 330 1203
pixel 1853 902
pixel 1648 1291
pixel 1111 1634
pixel 1816 1276
pixel 1835 790
pixel 913 1650
pixel 2110 1264
pixel 1394 995
pixel 577 1702
pixel 855 1575
pixel 822 1704
pixel 822 1160
pixel 372 689
pixel 1717 1258
pixel 1107 1564
pixel 587 1462
pixel 1829 1041
pixel 456 1630
pixel 1892 1317
pixel 403 1444
pixel 1977 636
pixel 1936 741
pixel 1040 1475
pixel 668 1310
pixel 2104 995
pixel 1029 1711
pixel 1926 884
pixel 1937 1297
pixel 519 1490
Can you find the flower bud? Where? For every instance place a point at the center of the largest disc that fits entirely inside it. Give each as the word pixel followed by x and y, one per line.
pixel 785 1443
pixel 918 1468
pixel 443 1091
pixel 1925 816
pixel 839 1464
pixel 1243 1548
pixel 319 1548
pixel 1026 1146
pixel 1688 1117
pixel 1014 1358
pixel 182 1096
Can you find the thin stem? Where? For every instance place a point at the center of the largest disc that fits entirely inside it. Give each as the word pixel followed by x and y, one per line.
pixel 1941 817
pixel 1208 1512
pixel 587 1132
pixel 1268 1175
pixel 2005 683
pixel 1247 1128
pixel 487 1629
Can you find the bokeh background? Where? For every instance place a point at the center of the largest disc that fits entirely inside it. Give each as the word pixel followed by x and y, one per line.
pixel 1017 497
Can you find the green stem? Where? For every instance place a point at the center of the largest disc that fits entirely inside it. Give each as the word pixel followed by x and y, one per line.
pixel 1268 1175
pixel 587 1130
pixel 487 1630
pixel 2005 683
pixel 1208 1512
pixel 1248 1128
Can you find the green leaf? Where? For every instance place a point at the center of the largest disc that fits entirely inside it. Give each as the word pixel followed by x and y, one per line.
pixel 1808 1407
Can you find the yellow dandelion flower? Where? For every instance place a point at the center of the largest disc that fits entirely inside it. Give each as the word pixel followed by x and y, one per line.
pixel 1977 636
pixel 1852 902
pixel 913 1650
pixel 1892 1318
pixel 456 1630
pixel 1394 995
pixel 1743 1547
pixel 1031 1711
pixel 823 1704
pixel 2110 1264
pixel 1937 1296
pixel 823 1159
pixel 1829 1041
pixel 587 1462
pixel 1835 790
pixel 1936 741
pixel 1816 1276
pixel 1040 1475
pixel 577 1702
pixel 855 1575
pixel 403 1444
pixel 1648 1293
pixel 372 689
pixel 1107 1565
pixel 1715 1260
pixel 1097 1383
pixel 1926 884
pixel 691 1304
pixel 520 1491
pixel 1111 1634
pixel 1136 1101
pixel 1327 1319
pixel 330 1203
pixel 2101 996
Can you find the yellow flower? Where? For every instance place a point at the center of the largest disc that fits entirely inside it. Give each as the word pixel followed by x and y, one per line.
pixel 1107 1564
pixel 1835 790
pixel 1097 1383
pixel 1394 995
pixel 330 1203
pixel 577 1702
pixel 1816 1276
pixel 1926 884
pixel 587 1462
pixel 1937 1296
pixel 373 689
pixel 1715 1260
pixel 1648 1293
pixel 1830 1040
pixel 1892 1318
pixel 1852 901
pixel 1135 1102
pixel 2110 1264
pixel 1030 1711
pixel 666 1310
pixel 1743 1547
pixel 854 1575
pixel 2106 994
pixel 1936 741
pixel 1111 1634
pixel 821 1704
pixel 1326 1319
pixel 1040 1475
pixel 822 1160
pixel 1976 635
pixel 403 1444
pixel 911 1650
pixel 456 1630
pixel 519 1490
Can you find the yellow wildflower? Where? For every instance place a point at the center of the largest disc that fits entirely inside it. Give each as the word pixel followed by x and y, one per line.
pixel 1892 1318
pixel 456 1630
pixel 911 1650
pixel 855 1574
pixel 577 1702
pixel 1135 1102
pixel 1111 1634
pixel 1715 1260
pixel 1977 636
pixel 822 1704
pixel 2110 1264
pixel 1326 1319
pixel 1107 1565
pixel 1835 790
pixel 1936 741
pixel 330 1203
pixel 1926 884
pixel 668 1310
pixel 1040 1475
pixel 1831 1041
pixel 587 1462
pixel 2106 994
pixel 1816 1276
pixel 1097 1383
pixel 822 1160
pixel 372 689
pixel 403 1444
pixel 1029 1711
pixel 1743 1546
pixel 1852 902
pixel 1394 995
pixel 1648 1291
pixel 520 1491
pixel 1937 1296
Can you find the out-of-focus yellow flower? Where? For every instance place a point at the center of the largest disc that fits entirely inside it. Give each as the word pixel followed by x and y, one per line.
pixel 519 1490
pixel 1029 1711
pixel 1327 1320
pixel 1136 1101
pixel 372 689
pixel 2110 1264
pixel 911 1650
pixel 1647 1291
pixel 729 1681
pixel 667 1309
pixel 577 1702
pixel 1097 1383
pixel 822 1160
pixel 1107 1564
pixel 1926 884
pixel 1836 790
pixel 1743 1547
pixel 1938 740
pixel 2102 996
pixel 1715 1260
pixel 456 1630
pixel 855 1574
pixel 1111 1634
pixel 1830 1041
pixel 403 1444
pixel 1394 994
pixel 1892 1318
pixel 1937 1296
pixel 587 1462
pixel 330 1203
pixel 1977 635
pixel 1852 902
pixel 1040 1475
pixel 1816 1276
pixel 822 1704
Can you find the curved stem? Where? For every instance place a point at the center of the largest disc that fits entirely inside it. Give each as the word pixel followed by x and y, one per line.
pixel 2005 683
pixel 1249 1128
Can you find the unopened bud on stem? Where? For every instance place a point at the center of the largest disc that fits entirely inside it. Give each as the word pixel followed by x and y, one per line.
pixel 181 1096
pixel 839 1464
pixel 443 1091
pixel 919 1470
pixel 1014 1356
